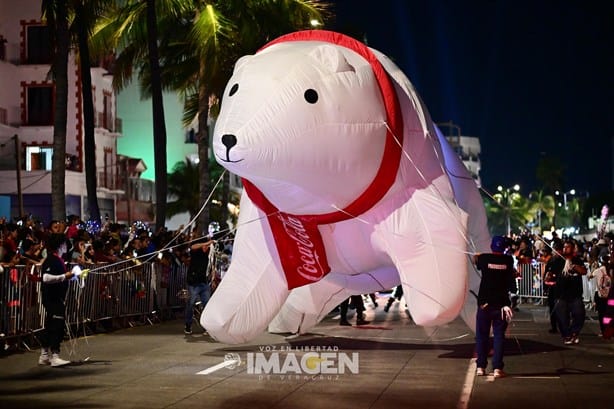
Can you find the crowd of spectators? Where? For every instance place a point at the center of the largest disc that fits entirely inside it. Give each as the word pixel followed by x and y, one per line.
pixel 23 242
pixel 528 248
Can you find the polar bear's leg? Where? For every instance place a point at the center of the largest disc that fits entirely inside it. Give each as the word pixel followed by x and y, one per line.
pixel 428 247
pixel 254 288
pixel 308 305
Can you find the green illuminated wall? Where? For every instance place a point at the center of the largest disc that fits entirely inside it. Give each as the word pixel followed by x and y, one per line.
pixel 137 131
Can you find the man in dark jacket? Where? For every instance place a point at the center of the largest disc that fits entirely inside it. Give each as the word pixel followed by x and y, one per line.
pixel 498 280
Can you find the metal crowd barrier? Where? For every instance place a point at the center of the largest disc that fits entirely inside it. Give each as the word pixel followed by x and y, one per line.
pixel 126 291
pixel 530 283
pixel 148 291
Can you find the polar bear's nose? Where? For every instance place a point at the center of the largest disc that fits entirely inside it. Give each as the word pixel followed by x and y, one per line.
pixel 229 140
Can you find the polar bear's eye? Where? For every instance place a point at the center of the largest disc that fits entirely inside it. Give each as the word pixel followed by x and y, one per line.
pixel 233 90
pixel 311 96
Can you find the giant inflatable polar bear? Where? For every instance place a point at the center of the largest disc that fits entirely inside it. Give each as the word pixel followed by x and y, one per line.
pixel 349 189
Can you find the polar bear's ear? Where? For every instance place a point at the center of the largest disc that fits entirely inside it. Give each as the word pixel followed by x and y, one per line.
pixel 331 57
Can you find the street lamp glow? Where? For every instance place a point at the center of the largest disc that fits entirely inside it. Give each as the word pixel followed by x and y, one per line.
pixel 571 192
pixel 507 199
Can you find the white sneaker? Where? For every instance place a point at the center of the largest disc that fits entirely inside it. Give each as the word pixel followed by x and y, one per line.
pixel 480 372
pixel 499 373
pixel 57 361
pixel 44 359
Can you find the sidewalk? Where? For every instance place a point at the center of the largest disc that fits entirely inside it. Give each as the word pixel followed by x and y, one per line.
pixel 399 365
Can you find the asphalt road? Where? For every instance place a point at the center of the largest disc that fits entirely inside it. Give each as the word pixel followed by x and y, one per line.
pixel 390 363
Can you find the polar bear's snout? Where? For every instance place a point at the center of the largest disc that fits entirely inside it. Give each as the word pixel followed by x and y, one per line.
pixel 229 140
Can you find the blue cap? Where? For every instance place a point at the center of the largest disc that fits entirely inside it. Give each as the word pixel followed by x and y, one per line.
pixel 498 244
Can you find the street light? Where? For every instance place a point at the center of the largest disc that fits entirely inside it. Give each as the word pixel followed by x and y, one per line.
pixel 570 192
pixel 507 192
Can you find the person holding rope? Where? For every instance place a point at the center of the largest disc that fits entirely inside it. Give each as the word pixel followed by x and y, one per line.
pixel 198 282
pixel 498 279
pixel 569 308
pixel 54 288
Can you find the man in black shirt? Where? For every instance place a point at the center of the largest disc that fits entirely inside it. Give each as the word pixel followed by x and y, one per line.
pixel 498 280
pixel 569 307
pixel 198 282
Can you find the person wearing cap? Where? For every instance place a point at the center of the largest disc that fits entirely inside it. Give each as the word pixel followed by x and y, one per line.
pixel 498 280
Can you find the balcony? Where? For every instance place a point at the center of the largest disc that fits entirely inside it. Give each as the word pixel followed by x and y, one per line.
pixel 108 181
pixel 106 121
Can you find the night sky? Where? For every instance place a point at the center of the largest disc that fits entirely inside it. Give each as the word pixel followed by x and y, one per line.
pixel 529 78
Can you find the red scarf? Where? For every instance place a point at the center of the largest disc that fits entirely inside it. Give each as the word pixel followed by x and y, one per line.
pixel 297 238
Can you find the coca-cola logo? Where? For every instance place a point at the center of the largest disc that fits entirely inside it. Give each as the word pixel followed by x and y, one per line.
pixel 309 266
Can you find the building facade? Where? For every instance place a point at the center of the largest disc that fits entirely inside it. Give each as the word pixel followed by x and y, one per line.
pixel 27 98
pixel 467 147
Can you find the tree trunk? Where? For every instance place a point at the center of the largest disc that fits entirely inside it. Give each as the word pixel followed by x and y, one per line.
pixel 203 151
pixel 60 71
pixel 89 141
pixel 159 128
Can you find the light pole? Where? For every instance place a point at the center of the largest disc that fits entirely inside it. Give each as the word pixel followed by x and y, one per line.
pixel 569 192
pixel 507 192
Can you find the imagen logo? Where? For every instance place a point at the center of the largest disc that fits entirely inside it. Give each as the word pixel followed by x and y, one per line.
pixel 292 362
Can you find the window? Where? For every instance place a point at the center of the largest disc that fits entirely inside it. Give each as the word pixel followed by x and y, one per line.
pixel 38 157
pixel 40 105
pixel 108 112
pixel 38 45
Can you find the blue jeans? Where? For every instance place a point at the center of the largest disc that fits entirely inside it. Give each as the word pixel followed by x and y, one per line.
pixel 570 316
pixel 486 318
pixel 200 291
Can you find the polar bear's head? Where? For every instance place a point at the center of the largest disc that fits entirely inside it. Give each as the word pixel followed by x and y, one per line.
pixel 305 123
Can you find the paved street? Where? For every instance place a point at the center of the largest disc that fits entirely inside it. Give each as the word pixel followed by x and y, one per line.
pixel 398 365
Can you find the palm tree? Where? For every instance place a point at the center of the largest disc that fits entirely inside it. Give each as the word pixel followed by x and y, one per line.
pixel 157 105
pixel 85 15
pixel 183 183
pixel 199 42
pixel 507 211
pixel 569 214
pixel 56 14
pixel 540 203
pixel 132 27
pixel 183 187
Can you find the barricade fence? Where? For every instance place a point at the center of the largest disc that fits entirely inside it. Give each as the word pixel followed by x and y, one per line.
pixel 114 291
pixel 150 290
pixel 530 283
